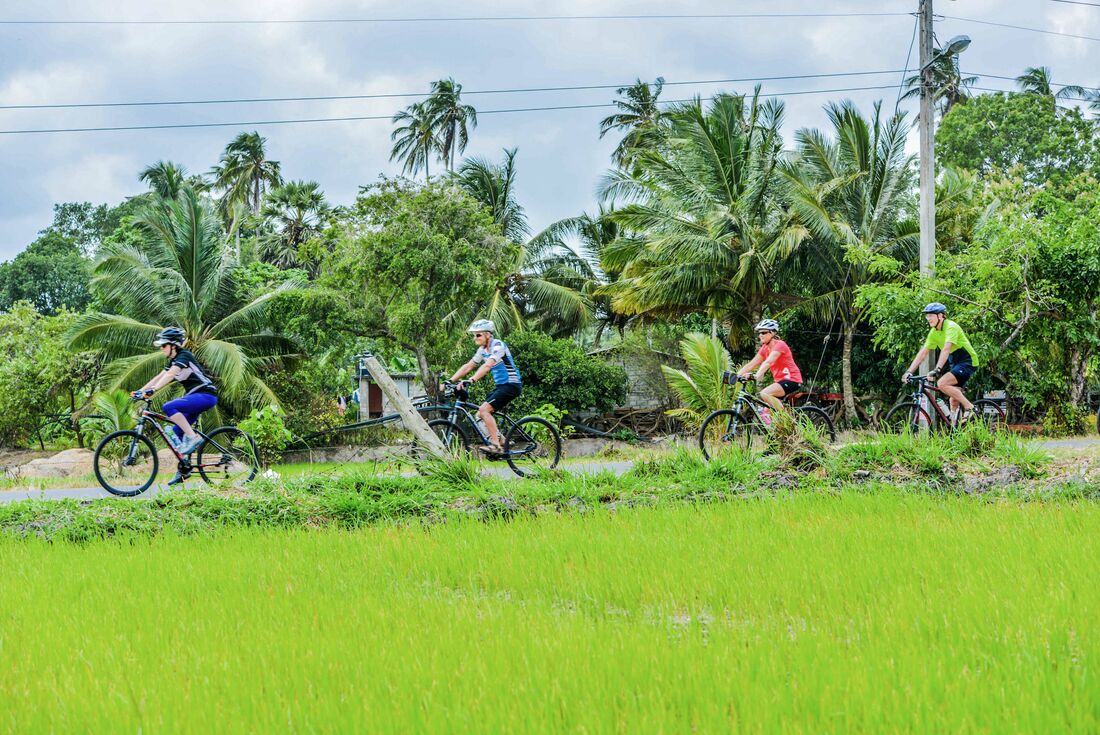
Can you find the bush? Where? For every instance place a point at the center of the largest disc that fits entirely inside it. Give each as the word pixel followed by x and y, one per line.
pixel 1065 419
pixel 558 372
pixel 267 428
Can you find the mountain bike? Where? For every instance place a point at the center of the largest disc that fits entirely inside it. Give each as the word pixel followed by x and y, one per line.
pixel 927 410
pixel 126 462
pixel 748 420
pixel 531 444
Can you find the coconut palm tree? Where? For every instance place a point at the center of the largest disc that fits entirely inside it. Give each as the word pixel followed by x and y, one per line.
pixel 851 189
pixel 165 178
pixel 704 206
pixel 452 120
pixel 539 285
pixel 1037 80
pixel 638 114
pixel 244 174
pixel 414 139
pixel 297 211
pixel 180 274
pixel 949 86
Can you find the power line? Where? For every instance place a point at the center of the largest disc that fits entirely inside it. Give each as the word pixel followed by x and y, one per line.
pixel 1077 2
pixel 1020 28
pixel 357 118
pixel 320 98
pixel 1013 79
pixel 908 56
pixel 453 19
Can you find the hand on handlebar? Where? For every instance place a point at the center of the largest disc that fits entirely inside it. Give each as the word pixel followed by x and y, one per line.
pixel 140 395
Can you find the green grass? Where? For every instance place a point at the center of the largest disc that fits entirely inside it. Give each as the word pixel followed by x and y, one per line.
pixel 796 613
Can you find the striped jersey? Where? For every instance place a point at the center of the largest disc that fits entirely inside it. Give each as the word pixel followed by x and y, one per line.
pixel 505 371
pixel 192 375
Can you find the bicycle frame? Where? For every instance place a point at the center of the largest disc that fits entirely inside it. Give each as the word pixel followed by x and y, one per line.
pixel 925 389
pixel 158 420
pixel 459 407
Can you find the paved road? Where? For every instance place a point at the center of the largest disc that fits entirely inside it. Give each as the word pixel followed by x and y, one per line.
pixel 96 493
pixel 580 468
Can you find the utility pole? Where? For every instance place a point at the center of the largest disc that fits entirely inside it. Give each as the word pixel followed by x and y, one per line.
pixel 927 126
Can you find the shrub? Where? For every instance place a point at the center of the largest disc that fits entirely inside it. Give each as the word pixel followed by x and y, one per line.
pixel 267 428
pixel 558 372
pixel 700 388
pixel 1065 419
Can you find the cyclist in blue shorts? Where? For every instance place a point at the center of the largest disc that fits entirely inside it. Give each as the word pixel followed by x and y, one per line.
pixel 493 356
pixel 199 392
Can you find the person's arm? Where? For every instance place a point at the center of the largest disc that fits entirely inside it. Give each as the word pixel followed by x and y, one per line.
pixel 748 367
pixel 944 354
pixel 772 357
pixel 462 371
pixel 160 380
pixel 484 369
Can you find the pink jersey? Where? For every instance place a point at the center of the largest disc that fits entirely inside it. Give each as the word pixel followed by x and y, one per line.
pixel 784 367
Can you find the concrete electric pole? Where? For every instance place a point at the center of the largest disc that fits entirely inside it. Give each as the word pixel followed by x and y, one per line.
pixel 927 129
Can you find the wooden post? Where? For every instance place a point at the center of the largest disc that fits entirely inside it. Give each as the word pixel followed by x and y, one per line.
pixel 414 422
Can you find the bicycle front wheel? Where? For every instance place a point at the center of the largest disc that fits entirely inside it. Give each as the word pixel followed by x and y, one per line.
pixel 717 433
pixel 531 446
pixel 228 457
pixel 906 417
pixel 125 463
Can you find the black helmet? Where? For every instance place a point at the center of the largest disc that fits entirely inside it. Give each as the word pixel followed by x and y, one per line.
pixel 170 336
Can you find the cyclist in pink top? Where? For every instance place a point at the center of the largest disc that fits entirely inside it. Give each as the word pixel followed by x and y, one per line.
pixel 775 355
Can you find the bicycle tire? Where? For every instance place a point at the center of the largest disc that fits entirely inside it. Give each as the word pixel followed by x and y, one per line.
pixel 906 416
pixel 532 445
pixel 714 435
pixel 820 420
pixel 990 413
pixel 110 467
pixel 451 434
pixel 243 465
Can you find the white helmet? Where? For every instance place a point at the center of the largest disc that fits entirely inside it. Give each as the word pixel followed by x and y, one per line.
pixel 767 325
pixel 482 325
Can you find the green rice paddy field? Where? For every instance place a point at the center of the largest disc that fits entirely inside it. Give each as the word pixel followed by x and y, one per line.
pixel 810 612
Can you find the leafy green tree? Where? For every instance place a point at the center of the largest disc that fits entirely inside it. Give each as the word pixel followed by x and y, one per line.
pixel 414 139
pixel 706 209
pixel 411 259
pixel 52 274
pixel 296 211
pixel 87 225
pixel 638 114
pixel 452 119
pixel 179 274
pixel 851 188
pixel 997 134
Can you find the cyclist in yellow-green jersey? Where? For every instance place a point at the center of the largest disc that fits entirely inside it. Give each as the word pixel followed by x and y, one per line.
pixel 958 359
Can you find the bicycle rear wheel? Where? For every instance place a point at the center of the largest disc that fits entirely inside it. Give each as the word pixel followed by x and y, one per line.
pixel 125 463
pixel 906 417
pixel 228 457
pixel 531 446
pixel 819 419
pixel 989 413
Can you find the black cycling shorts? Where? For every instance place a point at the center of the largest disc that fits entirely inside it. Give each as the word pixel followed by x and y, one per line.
pixel 503 394
pixel 789 386
pixel 962 372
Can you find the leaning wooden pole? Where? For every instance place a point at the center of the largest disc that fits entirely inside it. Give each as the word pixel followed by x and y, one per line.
pixel 414 422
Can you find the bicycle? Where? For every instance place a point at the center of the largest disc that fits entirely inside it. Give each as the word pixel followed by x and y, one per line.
pixel 126 462
pixel 744 421
pixel 531 445
pixel 913 415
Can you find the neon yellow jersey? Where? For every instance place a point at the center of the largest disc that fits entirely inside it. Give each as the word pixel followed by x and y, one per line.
pixel 954 334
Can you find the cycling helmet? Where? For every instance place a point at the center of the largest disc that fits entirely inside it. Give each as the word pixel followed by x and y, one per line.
pixel 482 325
pixel 935 308
pixel 170 336
pixel 767 325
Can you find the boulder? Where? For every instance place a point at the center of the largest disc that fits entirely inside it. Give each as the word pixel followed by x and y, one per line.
pixel 69 463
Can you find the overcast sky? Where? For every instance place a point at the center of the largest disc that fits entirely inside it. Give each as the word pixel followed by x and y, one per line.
pixel 560 155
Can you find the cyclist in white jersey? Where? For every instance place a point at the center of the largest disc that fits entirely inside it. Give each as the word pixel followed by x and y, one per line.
pixel 492 356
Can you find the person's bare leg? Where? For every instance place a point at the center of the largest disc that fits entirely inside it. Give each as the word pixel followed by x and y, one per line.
pixel 181 421
pixel 771 396
pixel 485 413
pixel 949 384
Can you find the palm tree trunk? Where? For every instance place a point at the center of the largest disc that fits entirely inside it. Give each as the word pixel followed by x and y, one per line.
pixel 713 328
pixel 846 373
pixel 425 372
